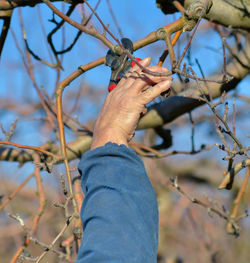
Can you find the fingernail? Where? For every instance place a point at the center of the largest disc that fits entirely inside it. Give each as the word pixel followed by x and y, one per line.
pixel 147 59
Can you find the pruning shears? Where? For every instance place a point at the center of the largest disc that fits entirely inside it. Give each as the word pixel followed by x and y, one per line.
pixel 119 64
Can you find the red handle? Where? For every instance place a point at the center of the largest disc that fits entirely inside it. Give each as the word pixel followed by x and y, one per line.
pixel 112 86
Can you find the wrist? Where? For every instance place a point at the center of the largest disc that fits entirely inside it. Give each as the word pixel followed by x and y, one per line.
pixel 103 136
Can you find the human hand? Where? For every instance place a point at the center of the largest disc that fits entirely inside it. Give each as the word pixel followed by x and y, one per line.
pixel 126 103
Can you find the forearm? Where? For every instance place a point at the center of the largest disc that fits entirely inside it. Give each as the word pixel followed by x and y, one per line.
pixel 119 213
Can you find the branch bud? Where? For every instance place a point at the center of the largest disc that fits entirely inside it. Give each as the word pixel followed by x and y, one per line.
pixel 161 34
pixel 118 49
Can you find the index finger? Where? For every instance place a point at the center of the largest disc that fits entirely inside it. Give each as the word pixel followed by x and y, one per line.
pixel 145 79
pixel 128 79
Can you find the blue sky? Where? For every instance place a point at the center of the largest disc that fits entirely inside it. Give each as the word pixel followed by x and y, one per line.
pixel 136 19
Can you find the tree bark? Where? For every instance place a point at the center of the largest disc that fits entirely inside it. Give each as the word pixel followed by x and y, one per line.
pixel 230 13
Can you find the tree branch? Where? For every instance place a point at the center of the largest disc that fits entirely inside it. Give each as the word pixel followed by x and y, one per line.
pixel 233 13
pixel 173 107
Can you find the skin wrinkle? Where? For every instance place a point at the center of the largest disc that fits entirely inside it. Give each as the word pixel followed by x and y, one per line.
pixel 126 103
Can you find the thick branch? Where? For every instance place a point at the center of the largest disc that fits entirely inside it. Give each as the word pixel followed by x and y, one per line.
pixel 230 13
pixel 10 4
pixel 6 16
pixel 74 150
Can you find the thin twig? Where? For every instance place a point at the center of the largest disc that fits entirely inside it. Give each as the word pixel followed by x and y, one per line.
pixel 43 245
pixel 229 177
pixel 188 44
pixel 86 30
pixel 13 194
pixel 192 131
pixel 55 240
pixel 143 150
pixel 224 59
pixel 179 7
pixel 232 221
pixel 114 19
pixel 240 194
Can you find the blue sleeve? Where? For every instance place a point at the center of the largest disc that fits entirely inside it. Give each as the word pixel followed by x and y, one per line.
pixel 119 213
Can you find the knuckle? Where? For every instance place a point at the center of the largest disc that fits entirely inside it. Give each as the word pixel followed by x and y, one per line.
pixel 148 94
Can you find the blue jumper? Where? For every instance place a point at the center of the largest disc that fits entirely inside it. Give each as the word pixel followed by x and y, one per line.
pixel 119 213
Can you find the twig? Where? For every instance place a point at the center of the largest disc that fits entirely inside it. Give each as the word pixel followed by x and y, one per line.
pixel 225 111
pixel 185 74
pixel 37 217
pixel 91 32
pixel 10 133
pixel 13 194
pixel 192 131
pixel 233 54
pixel 209 208
pixel 174 183
pixel 47 247
pixel 212 107
pixel 55 240
pixel 68 121
pixel 40 191
pixel 173 42
pixel 229 177
pixel 34 55
pixel 78 192
pixel 27 45
pixel 230 227
pixel 44 33
pixel 234 118
pixel 114 19
pixel 66 244
pixel 54 30
pixel 142 149
pixel 79 199
pixel 240 194
pixel 179 7
pixel 167 31
pixel 224 59
pixel 171 51
pixel 29 69
pixel 34 148
pixel 188 44
pixel 203 75
pixel 228 131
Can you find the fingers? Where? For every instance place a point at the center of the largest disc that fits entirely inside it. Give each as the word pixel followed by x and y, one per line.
pixel 150 94
pixel 144 62
pixel 128 79
pixel 148 80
